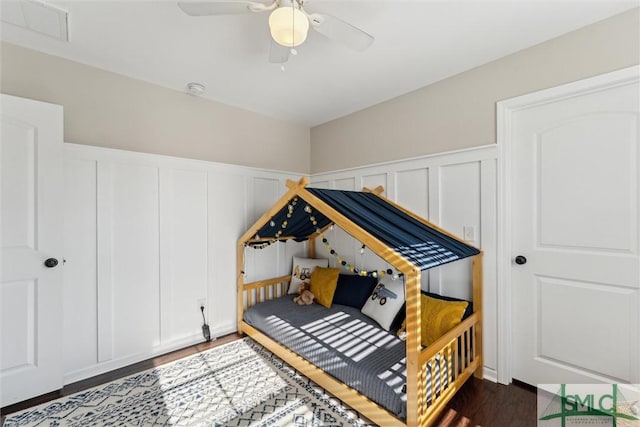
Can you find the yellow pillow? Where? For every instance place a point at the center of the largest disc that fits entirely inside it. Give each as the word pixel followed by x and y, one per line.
pixel 437 317
pixel 323 284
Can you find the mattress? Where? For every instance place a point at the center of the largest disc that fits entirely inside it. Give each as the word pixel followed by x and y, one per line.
pixel 344 343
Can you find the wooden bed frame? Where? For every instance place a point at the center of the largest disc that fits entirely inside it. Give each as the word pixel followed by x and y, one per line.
pixel 461 347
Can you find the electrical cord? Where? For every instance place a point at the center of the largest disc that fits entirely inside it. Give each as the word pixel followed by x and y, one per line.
pixel 206 332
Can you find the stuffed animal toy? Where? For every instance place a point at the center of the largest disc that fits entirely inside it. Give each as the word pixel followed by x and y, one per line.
pixel 305 297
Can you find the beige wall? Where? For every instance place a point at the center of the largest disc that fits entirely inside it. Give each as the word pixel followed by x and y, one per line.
pixel 110 110
pixel 459 112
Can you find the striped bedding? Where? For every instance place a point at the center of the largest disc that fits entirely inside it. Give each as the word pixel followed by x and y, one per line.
pixel 344 343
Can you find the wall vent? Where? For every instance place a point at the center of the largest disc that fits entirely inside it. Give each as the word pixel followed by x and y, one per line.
pixel 36 16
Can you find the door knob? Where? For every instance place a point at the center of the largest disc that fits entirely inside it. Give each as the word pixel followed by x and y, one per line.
pixel 520 260
pixel 51 262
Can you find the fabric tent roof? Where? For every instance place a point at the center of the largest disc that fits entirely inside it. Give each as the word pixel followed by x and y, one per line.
pixel 424 246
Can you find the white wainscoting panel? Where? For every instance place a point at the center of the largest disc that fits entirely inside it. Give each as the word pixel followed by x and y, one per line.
pixel 80 269
pixel 489 239
pixel 455 190
pixel 134 290
pixel 183 252
pixel 150 238
pixel 264 192
pixel 227 203
pixel 372 181
pixel 412 190
pixel 262 263
pixel 459 209
pixel 343 184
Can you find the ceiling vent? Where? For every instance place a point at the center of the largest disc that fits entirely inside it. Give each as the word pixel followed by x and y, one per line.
pixel 36 16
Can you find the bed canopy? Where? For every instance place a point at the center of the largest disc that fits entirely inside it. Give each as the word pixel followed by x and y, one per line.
pixel 304 215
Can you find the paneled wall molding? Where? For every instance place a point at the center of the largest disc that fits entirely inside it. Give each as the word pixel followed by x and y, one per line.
pixel 149 239
pixel 180 219
pixel 488 151
pixel 104 228
pixel 456 190
pixel 88 152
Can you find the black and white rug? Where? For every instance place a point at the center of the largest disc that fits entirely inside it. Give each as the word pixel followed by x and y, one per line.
pixel 237 384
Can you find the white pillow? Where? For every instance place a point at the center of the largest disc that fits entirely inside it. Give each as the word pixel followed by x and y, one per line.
pixel 385 302
pixel 302 269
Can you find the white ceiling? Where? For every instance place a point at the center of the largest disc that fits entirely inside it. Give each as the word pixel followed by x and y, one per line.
pixel 417 43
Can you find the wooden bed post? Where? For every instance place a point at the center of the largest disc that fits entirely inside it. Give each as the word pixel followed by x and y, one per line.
pixel 240 284
pixel 477 308
pixel 311 246
pixel 415 384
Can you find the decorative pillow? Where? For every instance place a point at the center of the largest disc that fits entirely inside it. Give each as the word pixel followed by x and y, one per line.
pixel 302 269
pixel 437 317
pixel 468 312
pixel 323 284
pixel 353 290
pixel 385 302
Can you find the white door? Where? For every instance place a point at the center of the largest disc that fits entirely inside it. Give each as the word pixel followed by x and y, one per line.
pixel 30 233
pixel 574 217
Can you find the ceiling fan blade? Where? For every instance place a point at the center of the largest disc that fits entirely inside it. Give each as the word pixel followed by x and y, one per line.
pixel 340 31
pixel 278 54
pixel 211 7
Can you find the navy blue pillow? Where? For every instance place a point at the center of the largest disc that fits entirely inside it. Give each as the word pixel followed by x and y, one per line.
pixel 353 290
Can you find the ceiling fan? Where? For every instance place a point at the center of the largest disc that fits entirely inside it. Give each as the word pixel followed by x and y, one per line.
pixel 289 23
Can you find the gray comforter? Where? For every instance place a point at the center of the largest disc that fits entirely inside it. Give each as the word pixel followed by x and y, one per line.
pixel 341 341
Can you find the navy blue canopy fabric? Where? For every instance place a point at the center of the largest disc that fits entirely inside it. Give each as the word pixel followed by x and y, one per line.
pixel 420 244
pixel 294 221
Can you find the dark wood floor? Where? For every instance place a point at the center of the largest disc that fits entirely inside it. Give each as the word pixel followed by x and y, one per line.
pixel 487 404
pixel 478 403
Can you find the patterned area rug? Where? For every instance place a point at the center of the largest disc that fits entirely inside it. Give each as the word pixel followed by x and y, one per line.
pixel 237 384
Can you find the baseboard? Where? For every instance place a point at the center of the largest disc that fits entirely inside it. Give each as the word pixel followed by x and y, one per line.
pixel 489 374
pixel 166 347
pixel 224 329
pixel 101 368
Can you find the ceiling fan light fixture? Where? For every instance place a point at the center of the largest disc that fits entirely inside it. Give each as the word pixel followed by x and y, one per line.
pixel 289 26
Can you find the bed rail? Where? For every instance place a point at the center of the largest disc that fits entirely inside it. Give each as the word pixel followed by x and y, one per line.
pixel 250 294
pixel 264 290
pixel 452 359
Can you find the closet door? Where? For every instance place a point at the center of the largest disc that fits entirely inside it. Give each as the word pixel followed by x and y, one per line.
pixel 575 272
pixel 31 245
